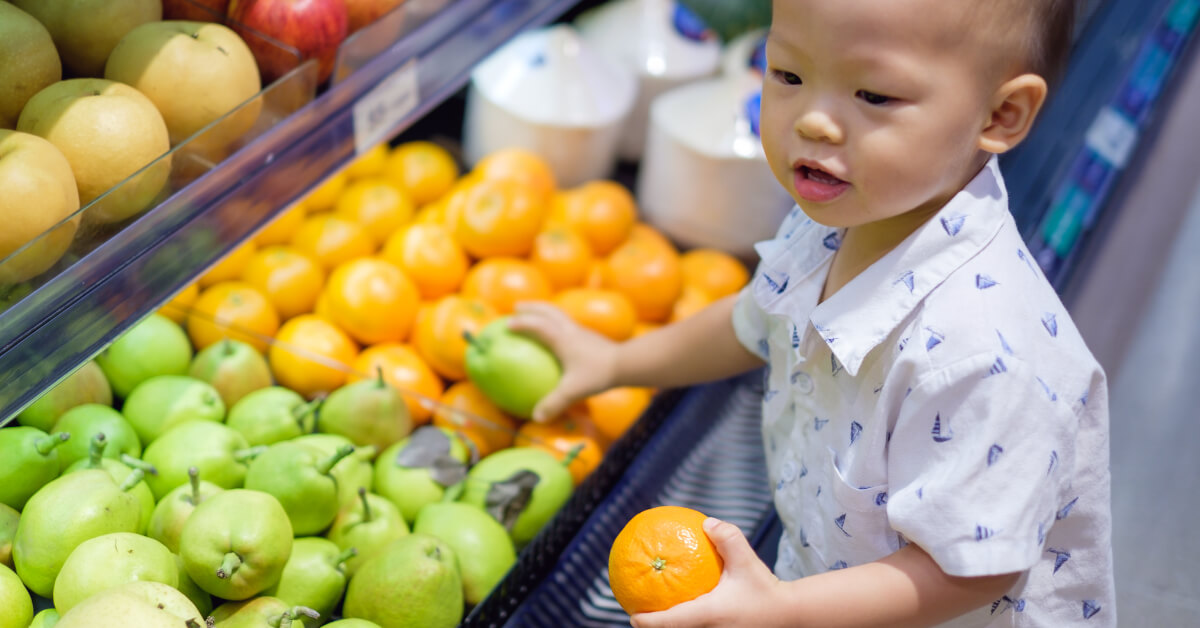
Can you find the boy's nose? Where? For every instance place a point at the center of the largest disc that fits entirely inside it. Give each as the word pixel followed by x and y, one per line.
pixel 818 126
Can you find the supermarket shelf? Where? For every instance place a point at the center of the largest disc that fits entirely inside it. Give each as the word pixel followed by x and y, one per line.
pixel 74 316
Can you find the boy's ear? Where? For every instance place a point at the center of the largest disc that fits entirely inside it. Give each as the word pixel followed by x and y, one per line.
pixel 1015 106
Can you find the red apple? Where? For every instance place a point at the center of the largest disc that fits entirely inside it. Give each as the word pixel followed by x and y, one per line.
pixel 363 12
pixel 195 10
pixel 315 28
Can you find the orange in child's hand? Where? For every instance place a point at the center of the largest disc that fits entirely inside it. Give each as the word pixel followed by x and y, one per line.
pixel 438 334
pixel 376 205
pixel 229 310
pixel 311 355
pixel 229 267
pixel 662 558
pixel 291 280
pixel 331 240
pixel 603 311
pixel 715 272
pixel 563 255
pixel 466 410
pixel 570 435
pixel 403 369
pixel 281 229
pixel 372 300
pixel 646 270
pixel 428 254
pixel 604 212
pixel 615 410
pixel 502 282
pixel 177 308
pixel 424 169
pixel 497 218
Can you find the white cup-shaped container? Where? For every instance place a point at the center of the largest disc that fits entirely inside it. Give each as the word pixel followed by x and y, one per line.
pixel 661 42
pixel 704 180
pixel 746 54
pixel 547 92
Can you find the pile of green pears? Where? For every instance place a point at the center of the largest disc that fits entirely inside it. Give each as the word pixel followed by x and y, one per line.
pixel 207 495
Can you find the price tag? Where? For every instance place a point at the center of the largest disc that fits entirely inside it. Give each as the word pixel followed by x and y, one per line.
pixel 382 108
pixel 1112 136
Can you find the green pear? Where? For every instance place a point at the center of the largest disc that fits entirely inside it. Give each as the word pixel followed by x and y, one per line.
pixel 236 543
pixel 111 560
pixel 193 592
pixel 136 604
pixel 14 600
pixel 353 472
pixel 155 346
pixel 513 370
pixel 219 453
pixel 414 582
pixel 161 403
pixel 45 619
pixel 66 512
pixel 233 367
pixel 173 510
pixel 271 415
pixel 119 470
pixel 9 518
pixel 482 545
pixel 86 385
pixel 349 623
pixel 28 460
pixel 417 470
pixel 87 420
pixel 368 412
pixel 370 525
pixel 262 612
pixel 301 479
pixel 521 487
pixel 315 575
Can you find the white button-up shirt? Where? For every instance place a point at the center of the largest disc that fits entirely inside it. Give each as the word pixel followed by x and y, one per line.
pixel 943 397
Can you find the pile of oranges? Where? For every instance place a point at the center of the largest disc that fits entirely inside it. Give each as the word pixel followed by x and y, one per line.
pixel 385 264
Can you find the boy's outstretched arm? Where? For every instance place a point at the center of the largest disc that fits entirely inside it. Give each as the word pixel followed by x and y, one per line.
pixel 698 349
pixel 905 589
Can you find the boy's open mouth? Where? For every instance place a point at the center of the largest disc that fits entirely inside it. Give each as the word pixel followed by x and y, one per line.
pixel 816 185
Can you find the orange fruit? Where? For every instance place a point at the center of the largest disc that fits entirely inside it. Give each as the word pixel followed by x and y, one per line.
pixel 424 169
pixel 567 436
pixel 661 558
pixel 326 194
pixel 405 370
pixel 372 300
pixel 715 272
pixel 502 282
pixel 646 270
pixel 290 280
pixel 281 229
pixel 691 300
pixel 177 308
pixel 595 275
pixel 229 267
pixel 368 164
pixel 643 327
pixel 466 410
pixel 563 255
pixel 331 240
pixel 438 334
pixel 604 212
pixel 614 410
pixel 603 311
pixel 519 165
pixel 232 309
pixel 376 205
pixel 311 355
pixel 497 218
pixel 428 254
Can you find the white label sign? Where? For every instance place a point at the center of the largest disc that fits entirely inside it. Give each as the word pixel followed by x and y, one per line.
pixel 382 108
pixel 1112 136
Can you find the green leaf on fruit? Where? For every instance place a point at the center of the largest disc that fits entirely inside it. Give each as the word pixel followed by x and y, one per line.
pixel 507 499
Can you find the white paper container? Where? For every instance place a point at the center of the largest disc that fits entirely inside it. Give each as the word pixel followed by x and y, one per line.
pixel 745 54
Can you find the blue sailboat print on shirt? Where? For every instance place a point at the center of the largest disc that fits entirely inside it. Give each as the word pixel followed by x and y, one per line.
pixel 841 564
pixel 983 533
pixel 836 366
pixel 1050 322
pixel 983 282
pixel 997 368
pixel 840 522
pixel 1060 557
pixel 908 279
pixel 778 286
pixel 1004 343
pixel 832 241
pixel 1053 461
pixel 1090 608
pixel 953 224
pixel 935 338
pixel 994 454
pixel 855 431
pixel 1065 510
pixel 819 423
pixel 941 434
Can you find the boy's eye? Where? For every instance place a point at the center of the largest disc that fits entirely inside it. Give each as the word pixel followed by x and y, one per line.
pixel 873 98
pixel 786 77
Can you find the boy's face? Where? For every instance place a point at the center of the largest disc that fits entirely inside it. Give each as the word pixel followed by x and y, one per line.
pixel 874 108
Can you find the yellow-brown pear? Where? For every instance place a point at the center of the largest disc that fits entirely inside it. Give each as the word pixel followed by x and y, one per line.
pixel 39 194
pixel 28 61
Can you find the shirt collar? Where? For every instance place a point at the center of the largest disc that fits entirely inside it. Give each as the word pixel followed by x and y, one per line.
pixel 869 308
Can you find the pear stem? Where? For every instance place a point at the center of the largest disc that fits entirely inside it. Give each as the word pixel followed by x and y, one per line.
pixel 279 621
pixel 362 496
pixel 135 477
pixel 229 565
pixel 325 465
pixel 194 480
pixel 297 611
pixel 46 445
pixel 96 450
pixel 345 556
pixel 132 462
pixel 301 412
pixel 227 347
pixel 572 455
pixel 246 455
pixel 379 383
pixel 469 337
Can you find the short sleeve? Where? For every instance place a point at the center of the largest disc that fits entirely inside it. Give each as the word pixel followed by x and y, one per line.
pixel 750 322
pixel 980 456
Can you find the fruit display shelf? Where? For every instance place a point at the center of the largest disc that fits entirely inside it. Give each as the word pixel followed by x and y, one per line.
pixel 381 85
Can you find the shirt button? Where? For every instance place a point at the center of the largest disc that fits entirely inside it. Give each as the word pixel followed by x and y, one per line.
pixel 803 382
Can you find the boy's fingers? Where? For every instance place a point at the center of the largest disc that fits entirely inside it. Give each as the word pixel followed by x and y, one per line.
pixel 731 544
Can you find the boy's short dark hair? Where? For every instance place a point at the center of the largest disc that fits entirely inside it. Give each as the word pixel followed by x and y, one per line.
pixel 1052 33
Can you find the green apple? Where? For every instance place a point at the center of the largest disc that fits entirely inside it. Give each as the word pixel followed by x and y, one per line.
pixel 270 415
pixel 484 549
pixel 369 526
pixel 154 346
pixel 236 543
pixel 15 600
pixel 301 479
pixel 314 576
pixel 141 604
pixel 86 385
pixel 160 403
pixel 219 453
pixel 45 619
pixel 233 367
pixel 86 421
pixel 173 510
pixel 521 487
pixel 414 582
pixel 513 370
pixel 418 469
pixel 368 412
pixel 28 460
pixel 9 519
pixel 111 560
